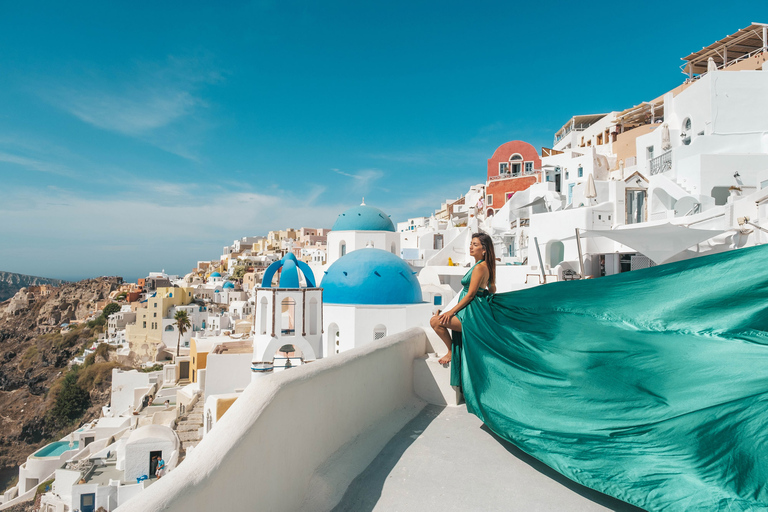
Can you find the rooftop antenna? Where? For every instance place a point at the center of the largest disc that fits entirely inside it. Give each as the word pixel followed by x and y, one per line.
pixel 363 203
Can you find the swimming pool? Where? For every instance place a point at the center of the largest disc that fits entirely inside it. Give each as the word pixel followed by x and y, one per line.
pixel 55 449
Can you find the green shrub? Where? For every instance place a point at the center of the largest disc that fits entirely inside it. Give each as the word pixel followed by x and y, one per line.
pixel 112 307
pixel 71 401
pixel 95 374
pixel 45 487
pixel 30 354
pixel 104 349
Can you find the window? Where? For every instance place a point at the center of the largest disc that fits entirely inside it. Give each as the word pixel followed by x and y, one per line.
pixel 503 167
pixel 514 157
pixel 437 300
pixel 437 242
pixel 649 152
pixel 154 315
pixel 567 175
pixel 288 316
pixel 379 332
pixel 686 132
pixel 144 325
pixel 489 199
pixel 313 321
pixel 581 172
pixel 635 206
pixel 342 248
pixel 528 167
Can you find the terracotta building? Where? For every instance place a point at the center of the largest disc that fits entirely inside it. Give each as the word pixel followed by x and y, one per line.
pixel 514 166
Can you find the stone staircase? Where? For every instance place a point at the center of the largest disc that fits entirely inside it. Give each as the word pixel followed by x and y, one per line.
pixel 188 428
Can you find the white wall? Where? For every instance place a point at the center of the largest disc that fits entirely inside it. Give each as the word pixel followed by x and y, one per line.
pixel 357 240
pixel 357 322
pixel 123 385
pixel 137 455
pixel 224 373
pixel 323 408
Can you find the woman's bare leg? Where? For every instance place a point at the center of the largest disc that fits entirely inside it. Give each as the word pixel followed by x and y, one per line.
pixel 442 332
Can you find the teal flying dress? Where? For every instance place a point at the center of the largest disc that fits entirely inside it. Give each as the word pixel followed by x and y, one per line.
pixel 650 386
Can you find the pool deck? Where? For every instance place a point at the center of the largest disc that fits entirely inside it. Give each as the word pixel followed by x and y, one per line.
pixel 446 459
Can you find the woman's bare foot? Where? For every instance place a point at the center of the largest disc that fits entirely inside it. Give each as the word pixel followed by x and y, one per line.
pixel 445 359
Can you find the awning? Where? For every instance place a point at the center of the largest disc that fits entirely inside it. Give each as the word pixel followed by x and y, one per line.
pixel 644 113
pixel 660 242
pixel 733 47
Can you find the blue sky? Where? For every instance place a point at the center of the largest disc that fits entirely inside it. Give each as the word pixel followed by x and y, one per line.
pixel 143 136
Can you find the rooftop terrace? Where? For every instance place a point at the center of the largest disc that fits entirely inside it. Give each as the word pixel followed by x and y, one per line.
pixel 446 459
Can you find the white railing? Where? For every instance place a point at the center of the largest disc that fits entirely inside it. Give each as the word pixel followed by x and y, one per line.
pixel 661 163
pixel 295 440
pixel 724 65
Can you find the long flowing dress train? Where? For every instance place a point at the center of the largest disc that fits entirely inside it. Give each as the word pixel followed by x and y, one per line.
pixel 650 386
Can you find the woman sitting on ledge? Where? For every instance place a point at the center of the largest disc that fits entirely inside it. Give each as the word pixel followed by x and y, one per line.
pixel 479 283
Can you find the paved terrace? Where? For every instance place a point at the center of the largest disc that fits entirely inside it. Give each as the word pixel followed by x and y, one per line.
pixel 446 459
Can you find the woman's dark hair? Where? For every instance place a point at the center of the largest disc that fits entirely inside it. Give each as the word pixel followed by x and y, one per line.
pixel 490 255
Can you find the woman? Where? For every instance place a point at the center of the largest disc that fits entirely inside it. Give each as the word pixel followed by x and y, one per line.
pixel 479 283
pixel 650 386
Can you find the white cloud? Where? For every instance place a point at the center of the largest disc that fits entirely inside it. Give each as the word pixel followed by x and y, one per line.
pixel 35 164
pixel 363 179
pixel 79 235
pixel 133 112
pixel 148 102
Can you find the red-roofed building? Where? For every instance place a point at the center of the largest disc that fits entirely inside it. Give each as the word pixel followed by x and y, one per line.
pixel 514 166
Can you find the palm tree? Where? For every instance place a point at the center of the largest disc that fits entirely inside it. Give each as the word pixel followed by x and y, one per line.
pixel 182 324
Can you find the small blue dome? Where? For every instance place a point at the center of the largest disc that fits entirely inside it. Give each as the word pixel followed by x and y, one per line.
pixel 215 274
pixel 216 291
pixel 289 268
pixel 370 276
pixel 289 275
pixel 228 284
pixel 363 218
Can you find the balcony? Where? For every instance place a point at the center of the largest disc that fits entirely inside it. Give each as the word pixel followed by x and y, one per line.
pixel 511 174
pixel 661 163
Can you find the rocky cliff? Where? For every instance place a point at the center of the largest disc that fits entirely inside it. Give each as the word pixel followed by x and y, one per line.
pixel 11 283
pixel 34 354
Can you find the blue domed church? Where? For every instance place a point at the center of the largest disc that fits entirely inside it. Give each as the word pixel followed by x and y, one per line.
pixel 359 227
pixel 368 294
pixel 287 323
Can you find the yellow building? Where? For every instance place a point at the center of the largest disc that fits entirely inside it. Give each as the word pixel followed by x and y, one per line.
pixel 198 355
pixel 145 337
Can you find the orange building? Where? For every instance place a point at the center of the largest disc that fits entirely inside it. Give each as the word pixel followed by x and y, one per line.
pixel 514 166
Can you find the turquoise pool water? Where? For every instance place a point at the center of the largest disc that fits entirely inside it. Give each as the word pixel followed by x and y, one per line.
pixel 55 449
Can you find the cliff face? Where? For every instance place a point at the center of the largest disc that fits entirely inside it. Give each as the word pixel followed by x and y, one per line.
pixel 34 353
pixel 11 283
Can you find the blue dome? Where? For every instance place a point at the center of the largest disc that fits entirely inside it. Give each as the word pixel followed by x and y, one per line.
pixel 228 284
pixel 215 274
pixel 363 218
pixel 370 276
pixel 289 268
